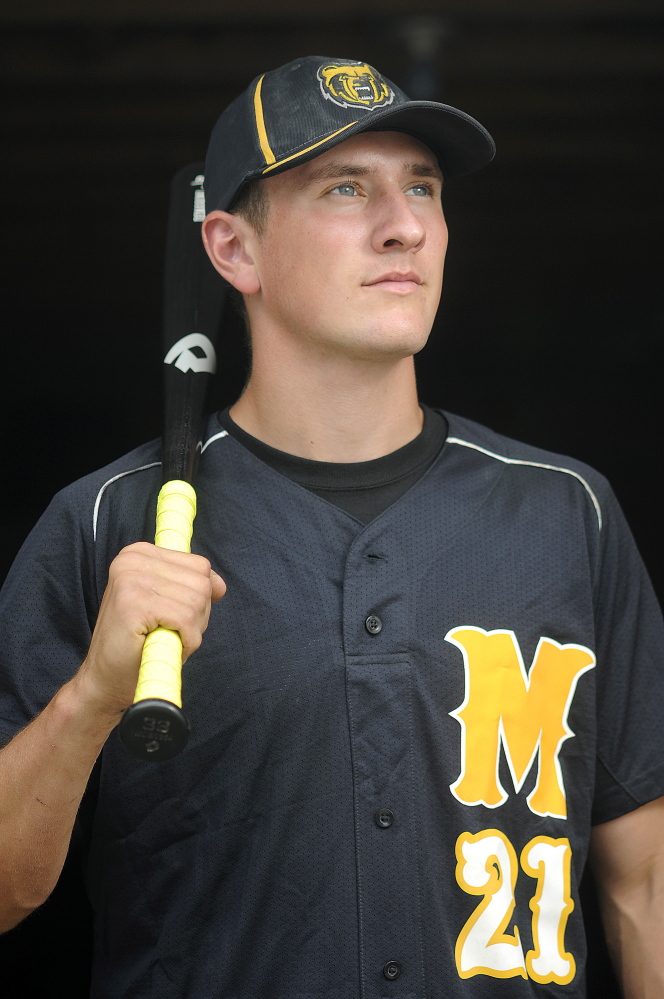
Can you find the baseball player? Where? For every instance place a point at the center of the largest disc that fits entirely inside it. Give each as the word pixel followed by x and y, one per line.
pixel 438 664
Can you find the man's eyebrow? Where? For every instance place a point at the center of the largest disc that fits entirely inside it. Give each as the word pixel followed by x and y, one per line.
pixel 332 171
pixel 424 170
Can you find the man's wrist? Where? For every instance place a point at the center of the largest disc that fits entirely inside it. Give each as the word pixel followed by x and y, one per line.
pixel 85 706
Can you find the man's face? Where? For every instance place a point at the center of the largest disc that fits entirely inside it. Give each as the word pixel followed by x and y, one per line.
pixel 351 259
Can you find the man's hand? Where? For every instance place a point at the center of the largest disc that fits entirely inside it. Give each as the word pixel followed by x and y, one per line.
pixel 627 856
pixel 147 587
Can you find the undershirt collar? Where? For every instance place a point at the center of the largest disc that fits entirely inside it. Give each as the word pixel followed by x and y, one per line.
pixel 364 488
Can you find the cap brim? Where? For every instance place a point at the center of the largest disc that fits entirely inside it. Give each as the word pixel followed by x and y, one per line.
pixel 459 142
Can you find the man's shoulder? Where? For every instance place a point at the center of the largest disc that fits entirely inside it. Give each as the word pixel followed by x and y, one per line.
pixel 546 466
pixel 145 458
pixel 123 486
pixel 119 498
pixel 468 433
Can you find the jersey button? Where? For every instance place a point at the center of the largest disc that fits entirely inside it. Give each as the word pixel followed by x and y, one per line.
pixel 373 624
pixel 392 970
pixel 384 818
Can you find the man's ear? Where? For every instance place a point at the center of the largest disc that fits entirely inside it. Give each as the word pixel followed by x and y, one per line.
pixel 229 240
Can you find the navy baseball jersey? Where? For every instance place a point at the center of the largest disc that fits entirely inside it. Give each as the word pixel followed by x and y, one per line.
pixel 401 732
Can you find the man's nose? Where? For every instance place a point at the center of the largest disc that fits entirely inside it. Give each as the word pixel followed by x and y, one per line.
pixel 397 224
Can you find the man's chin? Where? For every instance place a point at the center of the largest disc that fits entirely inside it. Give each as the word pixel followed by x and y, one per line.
pixel 397 339
pixel 374 337
pixel 376 346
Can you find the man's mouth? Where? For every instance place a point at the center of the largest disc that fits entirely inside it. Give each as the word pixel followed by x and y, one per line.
pixel 399 282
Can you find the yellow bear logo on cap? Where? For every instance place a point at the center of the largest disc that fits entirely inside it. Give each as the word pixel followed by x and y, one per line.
pixel 356 86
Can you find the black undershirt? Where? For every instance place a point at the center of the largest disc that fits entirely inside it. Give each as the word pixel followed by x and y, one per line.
pixel 362 488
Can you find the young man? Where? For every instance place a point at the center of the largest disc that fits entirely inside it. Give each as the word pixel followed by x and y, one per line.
pixel 438 662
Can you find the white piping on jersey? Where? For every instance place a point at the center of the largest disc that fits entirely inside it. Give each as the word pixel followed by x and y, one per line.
pixel 215 437
pixel 534 464
pixel 130 471
pixel 101 492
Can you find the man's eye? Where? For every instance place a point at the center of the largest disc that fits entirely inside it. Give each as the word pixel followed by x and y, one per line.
pixel 421 190
pixel 345 189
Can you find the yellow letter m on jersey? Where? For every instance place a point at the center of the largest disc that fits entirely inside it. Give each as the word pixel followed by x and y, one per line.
pixel 526 713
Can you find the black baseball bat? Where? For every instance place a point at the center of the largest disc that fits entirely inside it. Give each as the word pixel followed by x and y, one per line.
pixel 155 727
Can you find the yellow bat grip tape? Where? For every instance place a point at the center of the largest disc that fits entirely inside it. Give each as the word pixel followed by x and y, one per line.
pixel 160 674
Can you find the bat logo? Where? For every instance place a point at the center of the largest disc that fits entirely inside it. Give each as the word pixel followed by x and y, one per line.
pixel 354 86
pixel 182 355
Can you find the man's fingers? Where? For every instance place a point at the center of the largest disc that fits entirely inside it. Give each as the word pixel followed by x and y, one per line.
pixel 188 619
pixel 152 563
pixel 158 587
pixel 138 597
pixel 160 560
pixel 218 586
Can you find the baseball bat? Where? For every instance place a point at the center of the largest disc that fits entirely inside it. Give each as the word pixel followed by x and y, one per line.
pixel 155 727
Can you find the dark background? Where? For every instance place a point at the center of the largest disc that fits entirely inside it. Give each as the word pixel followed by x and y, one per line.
pixel 550 327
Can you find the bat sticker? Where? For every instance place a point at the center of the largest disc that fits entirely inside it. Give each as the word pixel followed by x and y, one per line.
pixel 184 358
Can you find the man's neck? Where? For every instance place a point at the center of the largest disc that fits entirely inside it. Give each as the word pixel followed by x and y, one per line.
pixel 342 411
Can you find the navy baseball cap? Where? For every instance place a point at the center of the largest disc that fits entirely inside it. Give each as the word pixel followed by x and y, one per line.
pixel 292 114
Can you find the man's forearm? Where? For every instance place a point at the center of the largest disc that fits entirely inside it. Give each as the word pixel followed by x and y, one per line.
pixel 628 861
pixel 44 771
pixel 635 929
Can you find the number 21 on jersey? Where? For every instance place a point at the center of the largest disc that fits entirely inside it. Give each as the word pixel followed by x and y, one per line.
pixel 487 866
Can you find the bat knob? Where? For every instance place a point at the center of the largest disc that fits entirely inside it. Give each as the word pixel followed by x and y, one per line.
pixel 154 729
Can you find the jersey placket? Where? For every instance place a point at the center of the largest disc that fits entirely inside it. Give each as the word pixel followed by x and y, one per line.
pixel 379 697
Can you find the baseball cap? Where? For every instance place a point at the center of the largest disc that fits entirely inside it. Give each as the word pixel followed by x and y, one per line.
pixel 294 113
